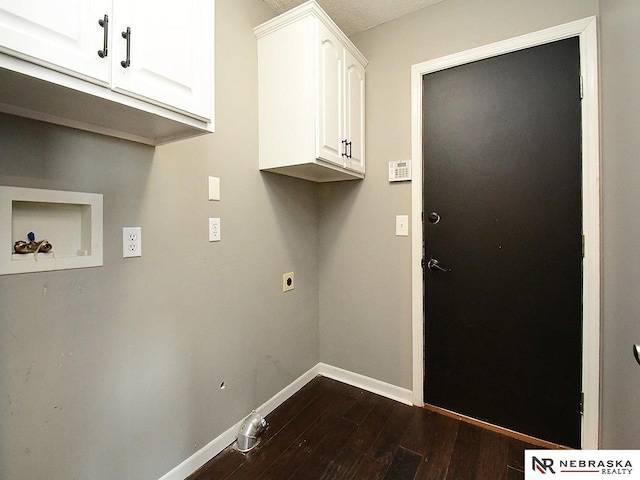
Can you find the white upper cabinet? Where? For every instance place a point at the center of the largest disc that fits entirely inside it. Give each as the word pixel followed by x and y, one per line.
pixel 311 89
pixel 134 69
pixel 331 134
pixel 162 53
pixel 354 113
pixel 62 35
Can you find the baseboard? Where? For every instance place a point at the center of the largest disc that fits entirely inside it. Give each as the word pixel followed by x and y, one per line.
pixel 366 383
pixel 222 441
pixel 202 456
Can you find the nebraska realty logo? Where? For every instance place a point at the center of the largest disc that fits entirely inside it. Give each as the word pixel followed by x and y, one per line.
pixel 581 464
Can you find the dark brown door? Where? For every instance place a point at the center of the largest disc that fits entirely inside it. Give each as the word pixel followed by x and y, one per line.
pixel 502 179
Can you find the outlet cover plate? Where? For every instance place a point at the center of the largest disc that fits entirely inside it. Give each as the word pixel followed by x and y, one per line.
pixel 287 282
pixel 131 242
pixel 214 229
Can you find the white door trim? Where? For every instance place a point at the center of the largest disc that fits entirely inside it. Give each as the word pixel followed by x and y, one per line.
pixel 586 30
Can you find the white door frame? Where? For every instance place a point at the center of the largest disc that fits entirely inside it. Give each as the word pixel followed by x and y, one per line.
pixel 587 32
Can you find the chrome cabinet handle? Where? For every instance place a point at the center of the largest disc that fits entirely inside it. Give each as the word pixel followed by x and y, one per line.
pixel 127 36
pixel 434 264
pixel 104 23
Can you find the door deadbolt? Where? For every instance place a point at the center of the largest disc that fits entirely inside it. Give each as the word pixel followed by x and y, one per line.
pixel 433 217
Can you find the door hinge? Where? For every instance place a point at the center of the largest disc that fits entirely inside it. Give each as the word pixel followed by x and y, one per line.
pixel 581 87
pixel 581 403
pixel 582 246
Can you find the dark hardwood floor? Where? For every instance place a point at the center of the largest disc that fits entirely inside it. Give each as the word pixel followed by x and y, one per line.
pixel 332 431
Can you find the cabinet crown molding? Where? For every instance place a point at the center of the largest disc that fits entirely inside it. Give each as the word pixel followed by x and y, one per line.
pixel 310 8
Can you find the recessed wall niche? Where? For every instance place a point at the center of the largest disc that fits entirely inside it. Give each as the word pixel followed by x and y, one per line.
pixel 70 221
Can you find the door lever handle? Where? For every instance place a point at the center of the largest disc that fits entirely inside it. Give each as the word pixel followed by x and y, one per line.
pixel 434 264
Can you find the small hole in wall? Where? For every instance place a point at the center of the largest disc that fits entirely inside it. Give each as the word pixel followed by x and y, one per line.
pixel 222 386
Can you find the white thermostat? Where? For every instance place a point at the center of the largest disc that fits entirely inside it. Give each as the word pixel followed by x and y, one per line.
pixel 400 171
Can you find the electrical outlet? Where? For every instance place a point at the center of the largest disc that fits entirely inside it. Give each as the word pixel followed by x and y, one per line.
pixel 214 229
pixel 131 242
pixel 287 282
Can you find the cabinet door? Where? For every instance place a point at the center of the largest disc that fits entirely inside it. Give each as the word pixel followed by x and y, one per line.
pixel 62 35
pixel 170 53
pixel 330 134
pixel 354 113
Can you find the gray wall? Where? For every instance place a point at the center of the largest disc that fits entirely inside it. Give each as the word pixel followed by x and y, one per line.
pixel 620 69
pixel 365 323
pixel 114 372
pixel 365 279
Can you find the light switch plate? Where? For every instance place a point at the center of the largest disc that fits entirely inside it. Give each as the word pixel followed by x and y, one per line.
pixel 214 188
pixel 402 225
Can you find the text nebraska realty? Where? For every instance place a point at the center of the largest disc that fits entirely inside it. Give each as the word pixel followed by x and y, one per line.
pixel 605 467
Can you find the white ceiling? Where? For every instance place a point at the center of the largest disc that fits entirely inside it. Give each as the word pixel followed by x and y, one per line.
pixel 355 16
